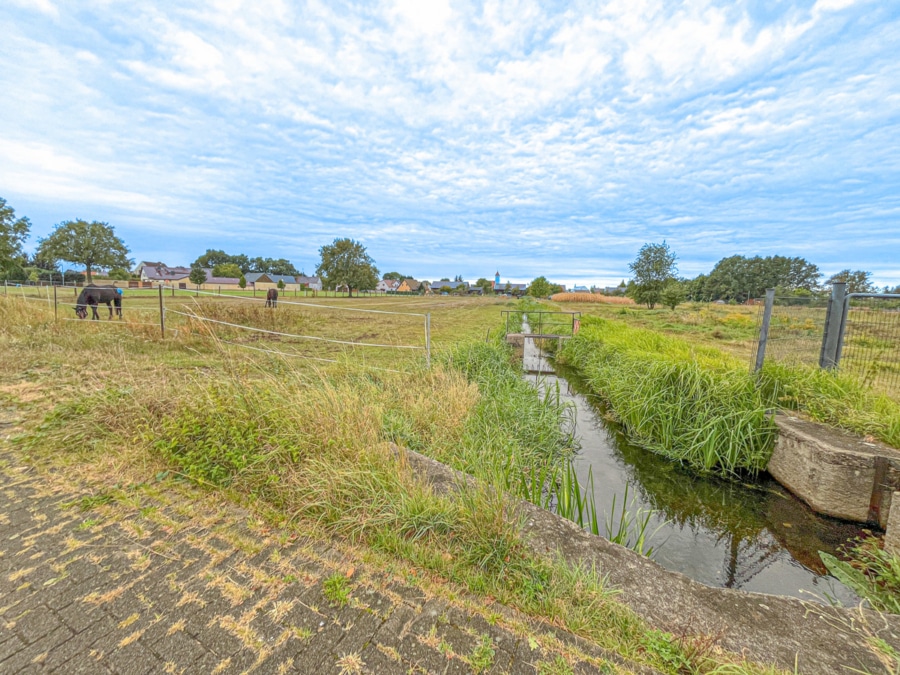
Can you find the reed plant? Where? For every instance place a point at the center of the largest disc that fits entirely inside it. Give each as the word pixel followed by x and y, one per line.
pixel 597 298
pixel 871 571
pixel 691 403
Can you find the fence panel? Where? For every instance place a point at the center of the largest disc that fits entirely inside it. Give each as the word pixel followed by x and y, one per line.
pixel 871 344
pixel 795 330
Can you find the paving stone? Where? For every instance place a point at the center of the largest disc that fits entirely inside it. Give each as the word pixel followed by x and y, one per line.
pixel 147 612
pixel 180 648
pixel 35 623
pixel 11 646
pixel 79 616
pixel 133 659
pixel 72 648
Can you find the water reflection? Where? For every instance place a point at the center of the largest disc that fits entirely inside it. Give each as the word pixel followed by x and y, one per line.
pixel 756 537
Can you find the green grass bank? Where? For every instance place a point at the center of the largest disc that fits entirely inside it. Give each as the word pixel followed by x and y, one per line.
pixel 700 406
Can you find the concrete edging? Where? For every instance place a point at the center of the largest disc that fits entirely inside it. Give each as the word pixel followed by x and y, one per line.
pixel 767 629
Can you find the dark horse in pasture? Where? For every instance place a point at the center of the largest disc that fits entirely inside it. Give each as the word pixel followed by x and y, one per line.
pixel 272 297
pixel 92 296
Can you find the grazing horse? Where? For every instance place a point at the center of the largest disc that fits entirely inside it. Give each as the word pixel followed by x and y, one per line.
pixel 92 296
pixel 272 297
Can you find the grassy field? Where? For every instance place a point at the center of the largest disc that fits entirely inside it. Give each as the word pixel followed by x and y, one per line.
pixel 310 443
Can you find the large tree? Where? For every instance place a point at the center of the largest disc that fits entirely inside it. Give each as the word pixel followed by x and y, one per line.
pixel 396 276
pixel 281 266
pixel 214 257
pixel 540 288
pixel 13 233
pixel 653 268
pixel 346 263
pixel 857 281
pixel 91 244
pixel 740 278
pixel 228 270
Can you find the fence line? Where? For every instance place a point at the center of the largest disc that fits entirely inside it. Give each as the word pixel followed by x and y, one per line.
pixel 117 323
pixel 198 317
pixel 309 358
pixel 292 335
pixel 299 304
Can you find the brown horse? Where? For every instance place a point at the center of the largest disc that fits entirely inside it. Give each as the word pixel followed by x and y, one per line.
pixel 92 296
pixel 272 297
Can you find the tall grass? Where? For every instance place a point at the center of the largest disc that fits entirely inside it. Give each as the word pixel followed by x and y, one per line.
pixel 313 447
pixel 690 403
pixel 833 398
pixel 592 297
pixel 870 571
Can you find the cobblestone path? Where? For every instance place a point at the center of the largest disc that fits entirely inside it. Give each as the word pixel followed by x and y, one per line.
pixel 161 578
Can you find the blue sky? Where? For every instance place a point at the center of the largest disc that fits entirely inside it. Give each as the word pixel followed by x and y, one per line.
pixel 533 138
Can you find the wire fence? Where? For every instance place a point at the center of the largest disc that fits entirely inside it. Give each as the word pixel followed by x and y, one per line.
pixel 869 340
pixel 871 346
pixel 795 330
pixel 296 327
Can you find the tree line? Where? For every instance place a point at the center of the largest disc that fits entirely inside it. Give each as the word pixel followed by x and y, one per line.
pixel 95 245
pixel 736 278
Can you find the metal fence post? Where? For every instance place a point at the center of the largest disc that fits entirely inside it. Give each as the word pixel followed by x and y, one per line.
pixel 55 306
pixel 428 339
pixel 162 312
pixel 764 329
pixel 834 323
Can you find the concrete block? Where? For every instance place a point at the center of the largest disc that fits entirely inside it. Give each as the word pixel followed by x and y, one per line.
pixel 836 473
pixel 892 533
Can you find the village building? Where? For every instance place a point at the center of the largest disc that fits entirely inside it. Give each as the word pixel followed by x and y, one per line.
pixel 312 283
pixel 387 285
pixel 264 281
pixel 409 286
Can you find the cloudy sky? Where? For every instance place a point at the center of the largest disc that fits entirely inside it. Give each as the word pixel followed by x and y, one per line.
pixel 461 137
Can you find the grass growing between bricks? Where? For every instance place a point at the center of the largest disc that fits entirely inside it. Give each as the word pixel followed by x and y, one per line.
pixel 316 448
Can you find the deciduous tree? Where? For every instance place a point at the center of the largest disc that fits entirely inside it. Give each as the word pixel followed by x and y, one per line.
pixel 857 281
pixel 346 263
pixel 13 233
pixel 653 268
pixel 673 294
pixel 540 288
pixel 231 270
pixel 91 244
pixel 197 275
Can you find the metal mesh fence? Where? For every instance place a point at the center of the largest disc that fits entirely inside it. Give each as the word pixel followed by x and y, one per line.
pixel 795 330
pixel 871 347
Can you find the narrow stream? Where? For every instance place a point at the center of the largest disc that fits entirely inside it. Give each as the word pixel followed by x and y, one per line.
pixel 752 536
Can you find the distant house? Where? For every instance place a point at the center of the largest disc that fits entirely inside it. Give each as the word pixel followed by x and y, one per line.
pixel 179 277
pixel 160 273
pixel 138 270
pixel 409 286
pixel 387 285
pixel 312 283
pixel 452 285
pixel 264 280
pixel 580 289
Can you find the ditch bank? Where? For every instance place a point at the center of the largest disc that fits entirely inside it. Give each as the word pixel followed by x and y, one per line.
pixel 785 632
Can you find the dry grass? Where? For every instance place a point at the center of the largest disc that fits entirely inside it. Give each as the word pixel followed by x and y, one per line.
pixel 593 298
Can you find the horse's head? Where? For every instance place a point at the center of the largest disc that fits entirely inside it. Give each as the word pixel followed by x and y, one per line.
pixel 81 311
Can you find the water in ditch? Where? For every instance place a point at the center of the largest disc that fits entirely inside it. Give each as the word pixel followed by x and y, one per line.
pixel 751 536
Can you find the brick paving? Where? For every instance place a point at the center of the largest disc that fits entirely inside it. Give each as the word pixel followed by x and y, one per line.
pixel 162 578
